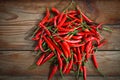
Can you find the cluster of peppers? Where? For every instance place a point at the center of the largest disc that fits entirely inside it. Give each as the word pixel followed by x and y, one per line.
pixel 67 39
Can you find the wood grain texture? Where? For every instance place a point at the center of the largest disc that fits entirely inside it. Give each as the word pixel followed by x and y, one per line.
pixel 16 38
pixel 54 78
pixel 16 63
pixel 30 12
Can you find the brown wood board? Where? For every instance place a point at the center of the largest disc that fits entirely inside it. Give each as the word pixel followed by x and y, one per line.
pixel 16 63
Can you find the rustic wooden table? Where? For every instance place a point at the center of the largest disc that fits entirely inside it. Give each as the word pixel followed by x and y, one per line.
pixel 18 17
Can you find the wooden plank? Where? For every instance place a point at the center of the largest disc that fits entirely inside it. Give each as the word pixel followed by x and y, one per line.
pixel 29 12
pixel 15 38
pixel 55 78
pixel 16 63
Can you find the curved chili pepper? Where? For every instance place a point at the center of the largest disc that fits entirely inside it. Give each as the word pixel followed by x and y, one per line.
pixel 102 43
pixel 53 71
pixel 46 17
pixel 55 10
pixel 48 57
pixel 49 43
pixel 40 45
pixel 39 61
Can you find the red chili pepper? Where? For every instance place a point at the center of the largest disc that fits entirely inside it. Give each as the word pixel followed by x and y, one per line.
pixel 39 61
pixel 94 61
pixel 73 41
pixel 55 20
pixel 40 45
pixel 62 21
pixel 45 28
pixel 84 72
pixel 46 17
pixel 77 37
pixel 84 16
pixel 65 68
pixel 102 43
pixel 76 45
pixel 60 61
pixel 60 17
pixel 48 57
pixel 69 66
pixel 65 52
pixel 79 56
pixel 75 58
pixel 36 48
pixel 87 50
pixel 53 71
pixel 49 43
pixel 55 10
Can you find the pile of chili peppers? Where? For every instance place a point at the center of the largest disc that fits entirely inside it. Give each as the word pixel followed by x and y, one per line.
pixel 67 39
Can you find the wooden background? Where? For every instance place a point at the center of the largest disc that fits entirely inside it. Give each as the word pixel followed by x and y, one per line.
pixel 18 18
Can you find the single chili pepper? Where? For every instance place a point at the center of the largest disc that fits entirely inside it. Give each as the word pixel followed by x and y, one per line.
pixel 46 17
pixel 69 66
pixel 53 71
pixel 79 56
pixel 84 16
pixel 76 45
pixel 82 49
pixel 48 57
pixel 55 10
pixel 67 47
pixel 77 37
pixel 72 41
pixel 55 20
pixel 36 48
pixel 84 72
pixel 37 36
pixel 75 58
pixel 100 25
pixel 60 17
pixel 102 43
pixel 65 52
pixel 55 46
pixel 72 16
pixel 59 61
pixel 39 61
pixel 91 39
pixel 65 68
pixel 62 21
pixel 94 61
pixel 87 50
pixel 49 43
pixel 40 45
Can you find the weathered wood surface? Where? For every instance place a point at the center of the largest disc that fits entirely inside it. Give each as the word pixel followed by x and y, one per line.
pixel 16 38
pixel 55 78
pixel 30 12
pixel 17 63
pixel 18 17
